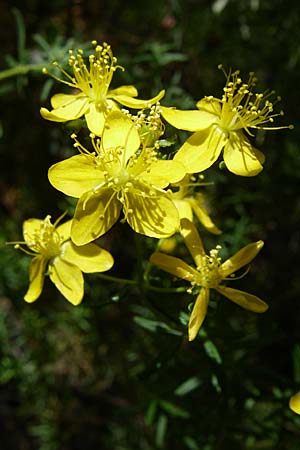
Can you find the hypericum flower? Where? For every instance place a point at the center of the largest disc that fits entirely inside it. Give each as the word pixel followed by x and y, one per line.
pixel 220 124
pixel 52 250
pixel 189 204
pixel 294 403
pixel 115 177
pixel 94 100
pixel 209 273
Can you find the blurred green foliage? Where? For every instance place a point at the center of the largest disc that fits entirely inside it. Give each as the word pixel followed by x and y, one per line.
pixel 117 372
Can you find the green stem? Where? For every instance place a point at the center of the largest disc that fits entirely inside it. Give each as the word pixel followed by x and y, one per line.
pixel 116 279
pixel 161 289
pixel 20 70
pixel 148 265
pixel 145 286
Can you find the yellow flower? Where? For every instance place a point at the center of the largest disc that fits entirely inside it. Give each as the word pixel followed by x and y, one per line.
pixel 52 250
pixel 94 100
pixel 189 204
pixel 219 124
pixel 209 274
pixel 115 177
pixel 294 403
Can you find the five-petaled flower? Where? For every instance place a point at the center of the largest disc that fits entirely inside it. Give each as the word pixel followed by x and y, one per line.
pixel 52 250
pixel 94 100
pixel 209 273
pixel 118 175
pixel 219 124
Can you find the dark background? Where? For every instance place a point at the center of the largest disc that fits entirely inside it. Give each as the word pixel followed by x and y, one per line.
pixel 117 372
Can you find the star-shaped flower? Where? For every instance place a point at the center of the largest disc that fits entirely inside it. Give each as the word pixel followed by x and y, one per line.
pixel 209 273
pixel 94 100
pixel 220 124
pixel 54 252
pixel 118 175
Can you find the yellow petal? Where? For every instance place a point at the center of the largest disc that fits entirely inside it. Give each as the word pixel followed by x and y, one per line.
pixel 294 403
pixel 137 103
pixel 201 150
pixel 36 278
pixel 174 266
pixel 243 299
pixel 152 216
pixel 68 279
pixel 59 100
pixel 241 258
pixel 30 227
pixel 192 240
pixel 162 173
pixel 95 214
pixel 240 157
pixel 121 133
pixel 89 258
pixel 95 119
pixel 70 111
pixel 128 90
pixel 75 175
pixel 190 120
pixel 184 208
pixel 64 230
pixel 198 313
pixel 213 106
pixel 202 215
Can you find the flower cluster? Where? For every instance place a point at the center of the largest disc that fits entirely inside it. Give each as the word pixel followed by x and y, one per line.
pixel 123 171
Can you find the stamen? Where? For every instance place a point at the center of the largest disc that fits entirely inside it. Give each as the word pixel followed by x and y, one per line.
pixel 60 218
pixel 243 109
pixel 93 80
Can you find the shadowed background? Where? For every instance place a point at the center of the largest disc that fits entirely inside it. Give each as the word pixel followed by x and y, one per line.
pixel 117 372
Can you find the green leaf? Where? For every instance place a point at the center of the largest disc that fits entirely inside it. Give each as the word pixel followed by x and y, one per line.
pixel 151 411
pixel 187 386
pixel 45 92
pixel 167 142
pixel 155 326
pixel 212 352
pixel 190 443
pixel 21 35
pixel 161 429
pixel 174 410
pixel 215 383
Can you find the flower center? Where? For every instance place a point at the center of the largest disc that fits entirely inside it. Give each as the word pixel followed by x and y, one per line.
pixel 208 270
pixel 120 180
pixel 45 240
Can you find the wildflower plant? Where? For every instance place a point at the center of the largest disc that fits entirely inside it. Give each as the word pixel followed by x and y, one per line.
pixel 124 173
pixel 127 169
